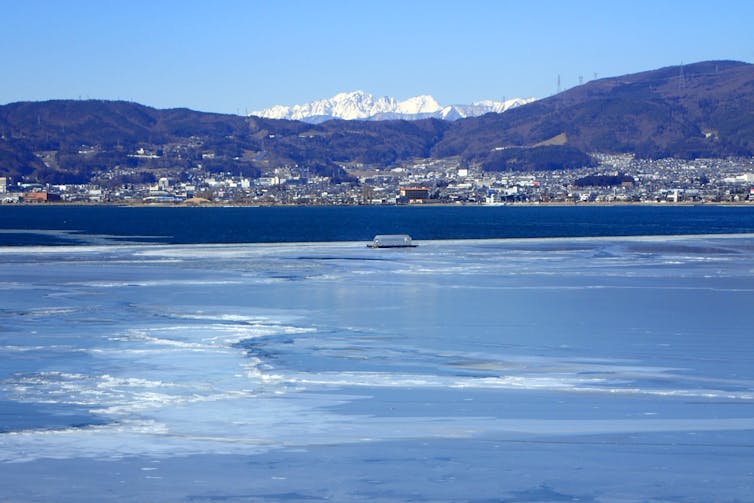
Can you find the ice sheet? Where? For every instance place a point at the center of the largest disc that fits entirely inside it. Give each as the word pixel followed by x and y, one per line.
pixel 154 352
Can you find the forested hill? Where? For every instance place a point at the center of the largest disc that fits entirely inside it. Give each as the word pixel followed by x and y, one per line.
pixel 111 131
pixel 699 110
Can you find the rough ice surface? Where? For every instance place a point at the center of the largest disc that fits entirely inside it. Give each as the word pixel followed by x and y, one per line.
pixel 500 370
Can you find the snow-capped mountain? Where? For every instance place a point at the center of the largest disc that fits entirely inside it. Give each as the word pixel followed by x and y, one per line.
pixel 453 112
pixel 364 106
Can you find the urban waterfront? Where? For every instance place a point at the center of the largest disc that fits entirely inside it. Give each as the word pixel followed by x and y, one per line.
pixel 620 179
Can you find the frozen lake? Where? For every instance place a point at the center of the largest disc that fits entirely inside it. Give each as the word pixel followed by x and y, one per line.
pixel 579 369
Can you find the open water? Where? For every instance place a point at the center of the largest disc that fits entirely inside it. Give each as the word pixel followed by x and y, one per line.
pixel 140 364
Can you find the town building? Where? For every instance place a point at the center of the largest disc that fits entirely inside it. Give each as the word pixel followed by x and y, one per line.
pixel 40 197
pixel 413 195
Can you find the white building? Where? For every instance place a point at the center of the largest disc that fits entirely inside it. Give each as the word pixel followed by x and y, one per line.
pixel 268 181
pixel 745 178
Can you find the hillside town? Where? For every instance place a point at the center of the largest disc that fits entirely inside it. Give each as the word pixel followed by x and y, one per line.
pixel 617 179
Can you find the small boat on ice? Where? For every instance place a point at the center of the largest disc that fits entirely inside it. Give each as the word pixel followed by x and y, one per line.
pixel 392 241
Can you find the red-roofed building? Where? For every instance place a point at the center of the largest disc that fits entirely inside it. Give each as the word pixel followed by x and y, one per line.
pixel 40 197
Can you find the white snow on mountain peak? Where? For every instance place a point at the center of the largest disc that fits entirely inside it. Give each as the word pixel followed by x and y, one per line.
pixel 418 105
pixel 365 106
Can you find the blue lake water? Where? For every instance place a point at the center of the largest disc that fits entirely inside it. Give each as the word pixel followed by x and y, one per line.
pixel 60 225
pixel 138 365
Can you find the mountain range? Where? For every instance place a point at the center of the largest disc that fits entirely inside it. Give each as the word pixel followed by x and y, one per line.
pixel 698 110
pixel 361 105
pixel 703 109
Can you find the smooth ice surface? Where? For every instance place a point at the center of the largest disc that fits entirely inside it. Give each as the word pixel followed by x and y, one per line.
pixel 598 369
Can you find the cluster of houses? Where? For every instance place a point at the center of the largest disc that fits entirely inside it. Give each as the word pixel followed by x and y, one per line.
pixel 618 179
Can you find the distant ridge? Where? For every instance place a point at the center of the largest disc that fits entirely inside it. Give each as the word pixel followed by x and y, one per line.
pixel 697 110
pixel 361 105
pixel 703 109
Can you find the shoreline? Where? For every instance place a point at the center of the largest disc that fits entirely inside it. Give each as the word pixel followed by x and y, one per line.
pixel 231 204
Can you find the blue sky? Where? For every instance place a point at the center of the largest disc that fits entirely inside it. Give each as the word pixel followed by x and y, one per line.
pixel 234 56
